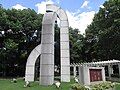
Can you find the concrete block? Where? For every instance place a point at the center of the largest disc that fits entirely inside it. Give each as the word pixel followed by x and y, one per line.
pixel 45 80
pixel 47 57
pixel 46 29
pixel 64 23
pixel 47 38
pixel 65 53
pixel 64 30
pixel 47 70
pixel 65 70
pixel 64 45
pixel 47 48
pixel 65 61
pixel 29 78
pixel 64 37
pixel 65 78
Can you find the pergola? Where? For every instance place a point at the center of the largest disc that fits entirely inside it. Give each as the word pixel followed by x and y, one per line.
pixel 108 63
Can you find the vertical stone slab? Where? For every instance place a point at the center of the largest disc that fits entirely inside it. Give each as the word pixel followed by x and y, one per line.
pixel 74 68
pixel 47 50
pixel 65 53
pixel 103 74
pixel 119 68
pixel 110 70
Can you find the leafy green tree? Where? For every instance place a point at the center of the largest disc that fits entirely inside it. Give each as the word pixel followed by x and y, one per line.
pixel 22 30
pixel 76 46
pixel 103 35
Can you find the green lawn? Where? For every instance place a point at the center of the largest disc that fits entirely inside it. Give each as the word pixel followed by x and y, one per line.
pixel 6 84
pixel 117 87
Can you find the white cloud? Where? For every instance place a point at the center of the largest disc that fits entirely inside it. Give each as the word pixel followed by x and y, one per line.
pixel 42 6
pixel 81 20
pixel 18 6
pixel 76 19
pixel 101 6
pixel 85 4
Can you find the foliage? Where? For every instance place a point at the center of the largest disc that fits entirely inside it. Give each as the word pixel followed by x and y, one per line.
pixel 100 86
pixel 76 45
pixel 77 86
pixel 103 35
pixel 103 86
pixel 19 37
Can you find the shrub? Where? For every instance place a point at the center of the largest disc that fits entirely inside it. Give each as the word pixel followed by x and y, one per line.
pixel 77 86
pixel 102 86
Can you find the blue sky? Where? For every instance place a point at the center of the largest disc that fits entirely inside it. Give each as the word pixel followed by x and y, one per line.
pixel 80 12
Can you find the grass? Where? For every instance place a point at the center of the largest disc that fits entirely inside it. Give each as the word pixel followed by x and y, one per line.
pixel 117 87
pixel 6 84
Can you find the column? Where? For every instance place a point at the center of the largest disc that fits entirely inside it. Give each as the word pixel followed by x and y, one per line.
pixel 110 70
pixel 74 69
pixel 65 53
pixel 119 68
pixel 47 50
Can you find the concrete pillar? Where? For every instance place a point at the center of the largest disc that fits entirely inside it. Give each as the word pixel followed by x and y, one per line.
pixel 110 70
pixel 103 74
pixel 47 49
pixel 65 53
pixel 119 68
pixel 74 71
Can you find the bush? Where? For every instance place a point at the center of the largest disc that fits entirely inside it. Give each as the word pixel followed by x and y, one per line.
pixel 77 86
pixel 103 86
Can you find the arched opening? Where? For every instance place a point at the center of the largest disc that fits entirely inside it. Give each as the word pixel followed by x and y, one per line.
pixel 30 65
pixel 64 41
pixel 37 69
pixel 57 63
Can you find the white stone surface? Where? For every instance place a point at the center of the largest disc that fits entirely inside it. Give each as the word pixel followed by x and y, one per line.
pixel 64 54
pixel 64 45
pixel 47 38
pixel 47 57
pixel 64 40
pixel 47 50
pixel 64 30
pixel 47 31
pixel 30 65
pixel 64 61
pixel 74 69
pixel 64 23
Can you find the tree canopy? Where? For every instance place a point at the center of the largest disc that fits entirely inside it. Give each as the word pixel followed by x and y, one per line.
pixel 103 35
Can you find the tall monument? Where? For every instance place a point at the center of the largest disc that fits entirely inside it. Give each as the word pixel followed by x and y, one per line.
pixel 47 48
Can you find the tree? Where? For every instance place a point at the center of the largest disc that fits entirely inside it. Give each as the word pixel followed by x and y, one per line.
pixel 103 35
pixel 22 30
pixel 76 46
